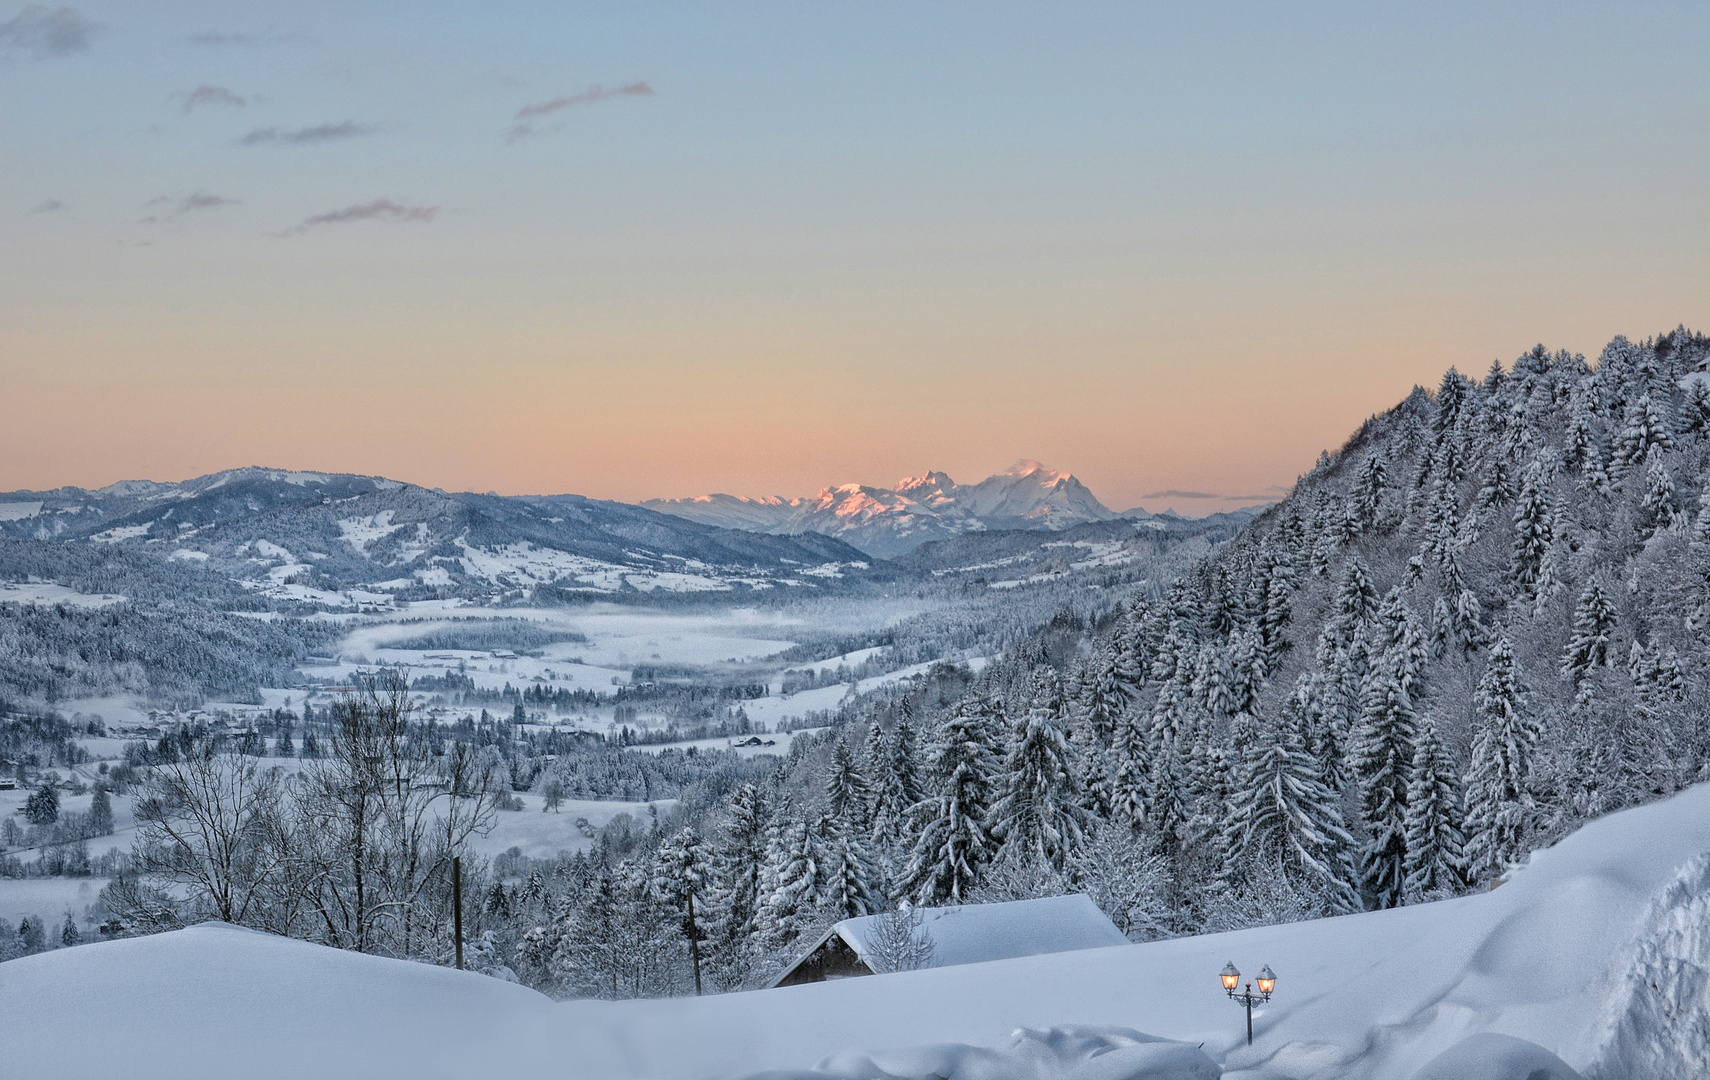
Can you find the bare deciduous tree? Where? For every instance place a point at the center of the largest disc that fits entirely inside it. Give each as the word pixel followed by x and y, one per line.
pixel 212 821
pixel 383 818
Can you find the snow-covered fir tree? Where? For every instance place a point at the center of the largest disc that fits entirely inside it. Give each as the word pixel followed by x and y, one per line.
pixel 857 885
pixel 954 842
pixel 798 883
pixel 681 878
pixel 1500 809
pixel 1283 814
pixel 1383 747
pixel 1435 864
pixel 1594 619
pixel 847 796
pixel 1040 812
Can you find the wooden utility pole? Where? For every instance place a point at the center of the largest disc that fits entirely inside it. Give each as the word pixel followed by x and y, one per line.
pixel 457 905
pixel 694 943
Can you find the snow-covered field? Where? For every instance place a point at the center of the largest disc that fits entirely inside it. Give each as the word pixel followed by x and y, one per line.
pixel 744 745
pixel 634 633
pixel 541 834
pixel 124 819
pixel 47 594
pixel 555 669
pixel 773 708
pixel 49 899
pixel 1549 958
pixel 613 641
pixel 617 639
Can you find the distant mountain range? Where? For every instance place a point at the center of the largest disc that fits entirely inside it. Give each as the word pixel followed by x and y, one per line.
pixel 343 540
pixel 336 539
pixel 887 522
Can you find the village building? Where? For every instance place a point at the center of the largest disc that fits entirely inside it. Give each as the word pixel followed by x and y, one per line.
pixel 969 934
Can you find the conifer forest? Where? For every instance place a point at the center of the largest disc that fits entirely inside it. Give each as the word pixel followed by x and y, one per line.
pixel 1480 623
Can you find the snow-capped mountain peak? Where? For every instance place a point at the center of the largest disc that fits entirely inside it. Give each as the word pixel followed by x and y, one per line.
pixel 933 488
pixel 1030 492
pixel 892 521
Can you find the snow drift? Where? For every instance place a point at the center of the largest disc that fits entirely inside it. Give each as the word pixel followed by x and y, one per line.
pixel 1590 958
pixel 1078 1052
pixel 1496 1057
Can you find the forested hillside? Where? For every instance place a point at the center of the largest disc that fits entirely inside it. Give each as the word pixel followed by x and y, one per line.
pixel 139 623
pixel 1478 624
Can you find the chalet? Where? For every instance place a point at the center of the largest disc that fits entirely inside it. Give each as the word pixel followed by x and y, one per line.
pixel 970 934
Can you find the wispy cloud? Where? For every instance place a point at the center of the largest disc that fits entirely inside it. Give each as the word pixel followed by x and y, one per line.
pixel 218 37
pixel 48 206
pixel 306 136
pixel 211 95
pixel 1216 495
pixel 586 97
pixel 593 94
pixel 1174 494
pixel 243 39
pixel 191 204
pixel 43 32
pixel 378 210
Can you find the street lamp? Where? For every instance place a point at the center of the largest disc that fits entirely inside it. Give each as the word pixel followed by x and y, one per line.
pixel 1232 978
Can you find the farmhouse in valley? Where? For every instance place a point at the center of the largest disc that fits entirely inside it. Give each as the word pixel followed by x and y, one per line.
pixel 970 934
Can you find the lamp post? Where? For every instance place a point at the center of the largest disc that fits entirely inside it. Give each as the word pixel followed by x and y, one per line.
pixel 1232 978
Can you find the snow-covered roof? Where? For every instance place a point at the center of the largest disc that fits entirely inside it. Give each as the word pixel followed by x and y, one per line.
pixel 976 933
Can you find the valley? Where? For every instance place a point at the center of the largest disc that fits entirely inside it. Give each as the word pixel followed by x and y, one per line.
pixel 1465 639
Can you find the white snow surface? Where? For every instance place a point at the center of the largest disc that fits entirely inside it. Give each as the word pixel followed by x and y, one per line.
pixel 776 743
pixel 119 534
pixel 245 994
pixel 977 933
pixel 362 531
pixel 542 834
pixel 525 565
pixel 1545 959
pixel 1072 1051
pixel 1488 1056
pixel 47 594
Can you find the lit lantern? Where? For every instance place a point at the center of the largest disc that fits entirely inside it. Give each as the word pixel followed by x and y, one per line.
pixel 1267 981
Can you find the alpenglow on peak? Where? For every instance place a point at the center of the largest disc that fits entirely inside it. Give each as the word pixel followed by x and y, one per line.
pixel 886 522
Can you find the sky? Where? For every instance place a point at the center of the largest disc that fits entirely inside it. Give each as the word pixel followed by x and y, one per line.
pixel 652 250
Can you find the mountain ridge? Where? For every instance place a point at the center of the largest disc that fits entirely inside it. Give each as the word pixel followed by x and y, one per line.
pixel 887 522
pixel 321 538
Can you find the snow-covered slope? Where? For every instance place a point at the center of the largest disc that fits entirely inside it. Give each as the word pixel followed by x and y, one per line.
pixel 764 514
pixel 328 537
pixel 217 1000
pixel 1492 984
pixel 891 521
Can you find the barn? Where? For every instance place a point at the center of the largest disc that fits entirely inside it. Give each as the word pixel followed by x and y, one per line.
pixel 968 934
